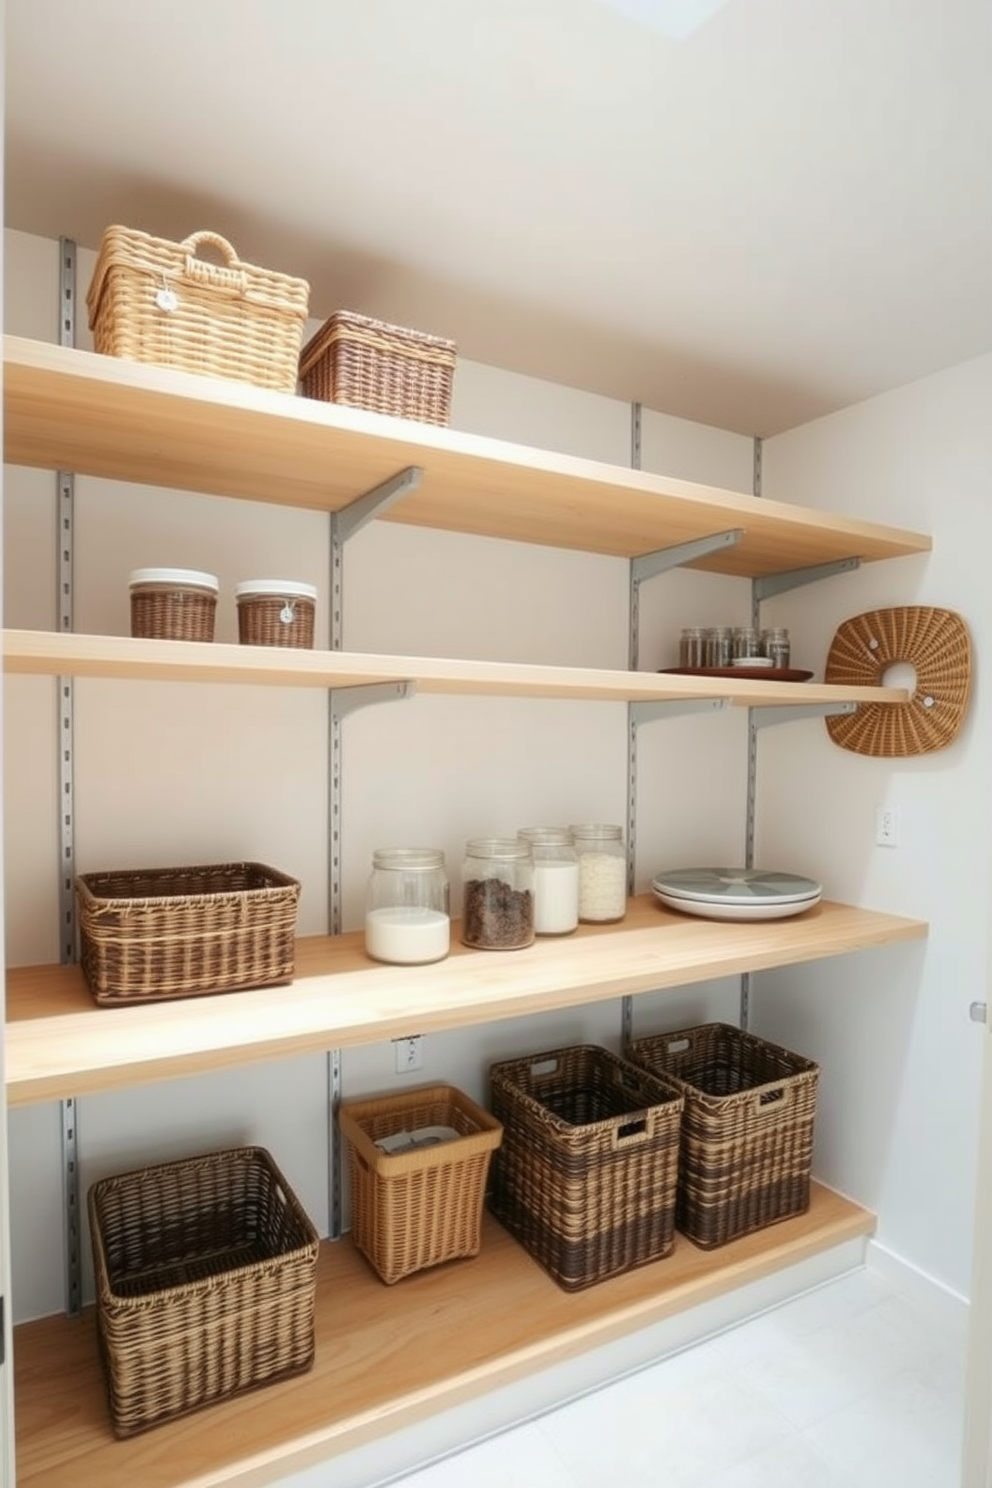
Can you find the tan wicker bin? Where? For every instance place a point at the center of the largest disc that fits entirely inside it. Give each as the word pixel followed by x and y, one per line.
pixel 151 934
pixel 418 1208
pixel 152 300
pixel 586 1176
pixel 747 1129
pixel 205 1279
pixel 384 368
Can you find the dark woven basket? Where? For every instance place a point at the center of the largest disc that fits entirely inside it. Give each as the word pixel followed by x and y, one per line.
pixel 586 1176
pixel 410 1210
pixel 151 934
pixel 370 364
pixel 747 1129
pixel 205 1276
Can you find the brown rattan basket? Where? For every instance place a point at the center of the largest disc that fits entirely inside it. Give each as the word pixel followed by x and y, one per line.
pixel 747 1128
pixel 586 1176
pixel 936 644
pixel 151 300
pixel 385 368
pixel 173 604
pixel 150 934
pixel 275 612
pixel 418 1208
pixel 205 1275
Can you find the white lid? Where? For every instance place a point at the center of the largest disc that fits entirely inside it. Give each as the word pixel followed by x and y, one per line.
pixel 282 588
pixel 174 576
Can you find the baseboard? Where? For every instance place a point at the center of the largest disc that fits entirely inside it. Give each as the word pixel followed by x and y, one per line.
pixel 940 1300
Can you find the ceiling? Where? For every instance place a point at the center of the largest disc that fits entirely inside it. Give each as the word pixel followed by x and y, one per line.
pixel 781 213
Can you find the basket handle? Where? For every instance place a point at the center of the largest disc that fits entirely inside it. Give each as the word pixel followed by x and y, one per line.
pixel 640 1128
pixel 772 1100
pixel 230 273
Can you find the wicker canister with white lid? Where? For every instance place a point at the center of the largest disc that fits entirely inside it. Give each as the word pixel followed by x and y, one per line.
pixel 276 612
pixel 173 604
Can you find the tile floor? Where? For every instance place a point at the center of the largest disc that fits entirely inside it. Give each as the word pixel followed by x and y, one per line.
pixel 850 1386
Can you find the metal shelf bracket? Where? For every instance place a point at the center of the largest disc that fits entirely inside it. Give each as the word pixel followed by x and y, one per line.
pixel 797 578
pixel 784 713
pixel 663 560
pixel 648 712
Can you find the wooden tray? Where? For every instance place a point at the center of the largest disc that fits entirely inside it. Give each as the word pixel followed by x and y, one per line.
pixel 755 674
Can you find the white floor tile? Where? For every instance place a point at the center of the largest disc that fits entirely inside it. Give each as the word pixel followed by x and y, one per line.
pixel 792 1463
pixel 516 1459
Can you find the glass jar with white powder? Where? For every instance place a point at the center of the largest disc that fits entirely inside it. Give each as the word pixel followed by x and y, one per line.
pixel 407 917
pixel 602 872
pixel 556 879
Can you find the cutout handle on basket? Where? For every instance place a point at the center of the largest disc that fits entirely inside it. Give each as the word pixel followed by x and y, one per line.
pixel 638 1130
pixel 543 1067
pixel 229 274
pixel 772 1100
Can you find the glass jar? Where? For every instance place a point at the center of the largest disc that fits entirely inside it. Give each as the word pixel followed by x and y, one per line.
pixel 747 642
pixel 775 644
pixel 556 879
pixel 692 646
pixel 407 918
pixel 719 646
pixel 602 873
pixel 498 880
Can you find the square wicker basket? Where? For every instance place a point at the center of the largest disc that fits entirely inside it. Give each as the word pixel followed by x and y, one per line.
pixel 747 1130
pixel 151 934
pixel 151 300
pixel 420 1207
pixel 370 364
pixel 586 1177
pixel 205 1279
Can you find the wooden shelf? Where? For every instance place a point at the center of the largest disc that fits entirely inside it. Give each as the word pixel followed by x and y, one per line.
pixel 50 653
pixel 386 1356
pixel 100 416
pixel 60 1044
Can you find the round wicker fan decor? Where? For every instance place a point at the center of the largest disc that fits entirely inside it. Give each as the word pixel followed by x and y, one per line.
pixel 935 643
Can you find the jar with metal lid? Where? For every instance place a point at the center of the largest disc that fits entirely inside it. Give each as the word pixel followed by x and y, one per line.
pixel 746 642
pixel 602 873
pixel 775 644
pixel 556 879
pixel 692 646
pixel 407 915
pixel 498 882
pixel 719 646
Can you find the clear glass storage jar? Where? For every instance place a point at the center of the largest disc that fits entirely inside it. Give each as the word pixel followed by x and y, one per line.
pixel 556 879
pixel 775 644
pixel 602 872
pixel 498 880
pixel 407 915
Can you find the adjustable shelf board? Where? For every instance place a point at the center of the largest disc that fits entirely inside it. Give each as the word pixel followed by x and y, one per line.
pixel 101 416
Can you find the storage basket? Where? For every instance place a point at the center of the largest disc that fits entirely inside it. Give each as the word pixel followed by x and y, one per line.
pixel 151 300
pixel 586 1176
pixel 150 934
pixel 205 1274
pixel 385 368
pixel 418 1207
pixel 173 604
pixel 275 612
pixel 747 1130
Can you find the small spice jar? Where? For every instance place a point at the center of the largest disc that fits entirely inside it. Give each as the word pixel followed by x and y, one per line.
pixel 556 879
pixel 692 646
pixel 775 644
pixel 275 612
pixel 498 880
pixel 719 646
pixel 407 919
pixel 602 873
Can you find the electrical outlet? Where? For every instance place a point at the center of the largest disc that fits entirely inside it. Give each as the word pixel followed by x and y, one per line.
pixel 409 1054
pixel 886 826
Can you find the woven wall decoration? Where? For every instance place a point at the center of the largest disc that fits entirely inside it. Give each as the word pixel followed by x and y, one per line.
pixel 934 642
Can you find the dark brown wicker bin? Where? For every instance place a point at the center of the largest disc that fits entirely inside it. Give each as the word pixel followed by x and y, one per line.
pixel 586 1176
pixel 205 1279
pixel 151 934
pixel 370 364
pixel 747 1129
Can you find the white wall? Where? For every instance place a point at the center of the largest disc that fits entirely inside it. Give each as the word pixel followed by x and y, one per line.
pixel 898 1119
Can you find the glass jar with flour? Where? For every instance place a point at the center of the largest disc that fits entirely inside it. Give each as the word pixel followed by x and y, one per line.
pixel 407 917
pixel 556 879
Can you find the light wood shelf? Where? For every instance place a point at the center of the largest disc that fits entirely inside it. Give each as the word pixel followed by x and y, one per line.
pixel 386 1356
pixel 74 410
pixel 50 653
pixel 59 1043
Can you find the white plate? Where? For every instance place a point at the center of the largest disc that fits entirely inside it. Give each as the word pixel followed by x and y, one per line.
pixel 752 911
pixel 741 886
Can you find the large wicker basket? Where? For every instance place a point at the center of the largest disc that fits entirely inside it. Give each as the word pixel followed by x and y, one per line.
pixel 151 300
pixel 370 364
pixel 150 934
pixel 747 1129
pixel 586 1176
pixel 416 1208
pixel 205 1283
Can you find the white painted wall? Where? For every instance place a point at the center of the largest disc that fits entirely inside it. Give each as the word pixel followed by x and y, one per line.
pixel 898 1120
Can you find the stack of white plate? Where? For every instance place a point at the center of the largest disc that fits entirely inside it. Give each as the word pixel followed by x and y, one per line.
pixel 736 893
